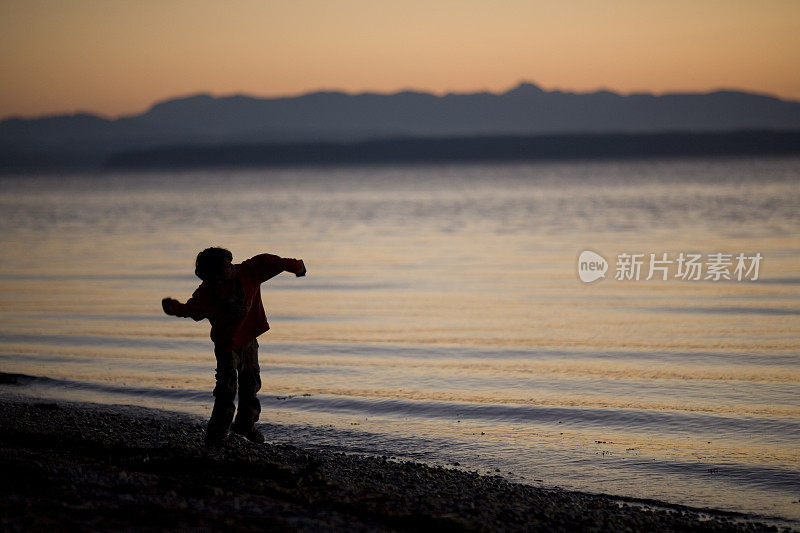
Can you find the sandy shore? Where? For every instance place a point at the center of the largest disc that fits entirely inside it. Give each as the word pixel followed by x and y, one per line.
pixel 92 467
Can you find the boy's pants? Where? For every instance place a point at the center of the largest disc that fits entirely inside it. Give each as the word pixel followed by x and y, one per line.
pixel 243 362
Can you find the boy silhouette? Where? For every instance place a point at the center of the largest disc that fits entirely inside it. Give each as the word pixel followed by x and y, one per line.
pixel 230 298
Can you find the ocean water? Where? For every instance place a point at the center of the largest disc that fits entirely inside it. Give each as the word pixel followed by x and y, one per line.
pixel 443 319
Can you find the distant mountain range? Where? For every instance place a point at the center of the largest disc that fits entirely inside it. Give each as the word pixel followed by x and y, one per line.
pixel 336 117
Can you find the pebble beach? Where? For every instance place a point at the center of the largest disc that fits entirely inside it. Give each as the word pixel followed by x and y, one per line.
pixel 88 467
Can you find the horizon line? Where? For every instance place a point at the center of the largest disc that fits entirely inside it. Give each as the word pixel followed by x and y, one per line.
pixel 438 94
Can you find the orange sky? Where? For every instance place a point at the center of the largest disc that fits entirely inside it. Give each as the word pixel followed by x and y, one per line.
pixel 117 57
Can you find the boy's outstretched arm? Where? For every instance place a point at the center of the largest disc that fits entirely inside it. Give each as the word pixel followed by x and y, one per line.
pixel 267 266
pixel 188 310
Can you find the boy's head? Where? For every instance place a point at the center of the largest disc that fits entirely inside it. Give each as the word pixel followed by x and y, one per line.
pixel 213 264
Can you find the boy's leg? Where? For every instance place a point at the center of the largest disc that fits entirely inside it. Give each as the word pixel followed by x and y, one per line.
pixel 224 394
pixel 249 385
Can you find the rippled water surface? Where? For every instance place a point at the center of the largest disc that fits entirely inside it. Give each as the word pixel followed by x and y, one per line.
pixel 443 318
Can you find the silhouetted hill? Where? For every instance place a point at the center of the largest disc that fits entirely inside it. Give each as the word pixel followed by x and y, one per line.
pixel 339 117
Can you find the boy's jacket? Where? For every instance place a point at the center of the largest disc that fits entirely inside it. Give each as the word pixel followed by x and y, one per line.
pixel 238 320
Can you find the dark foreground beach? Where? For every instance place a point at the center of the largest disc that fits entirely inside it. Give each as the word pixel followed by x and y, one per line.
pixel 69 466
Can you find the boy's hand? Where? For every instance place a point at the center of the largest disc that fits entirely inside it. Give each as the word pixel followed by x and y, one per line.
pixel 170 305
pixel 302 270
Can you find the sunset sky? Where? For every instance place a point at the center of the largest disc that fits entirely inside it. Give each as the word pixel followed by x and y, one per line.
pixel 116 57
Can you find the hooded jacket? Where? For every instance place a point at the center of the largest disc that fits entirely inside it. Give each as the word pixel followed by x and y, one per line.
pixel 234 307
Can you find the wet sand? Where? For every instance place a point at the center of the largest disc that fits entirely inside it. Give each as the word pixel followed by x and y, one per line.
pixel 96 467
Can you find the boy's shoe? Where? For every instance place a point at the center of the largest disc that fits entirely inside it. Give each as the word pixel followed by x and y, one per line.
pixel 252 434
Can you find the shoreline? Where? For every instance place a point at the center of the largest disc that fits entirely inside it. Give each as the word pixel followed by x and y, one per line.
pixel 92 466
